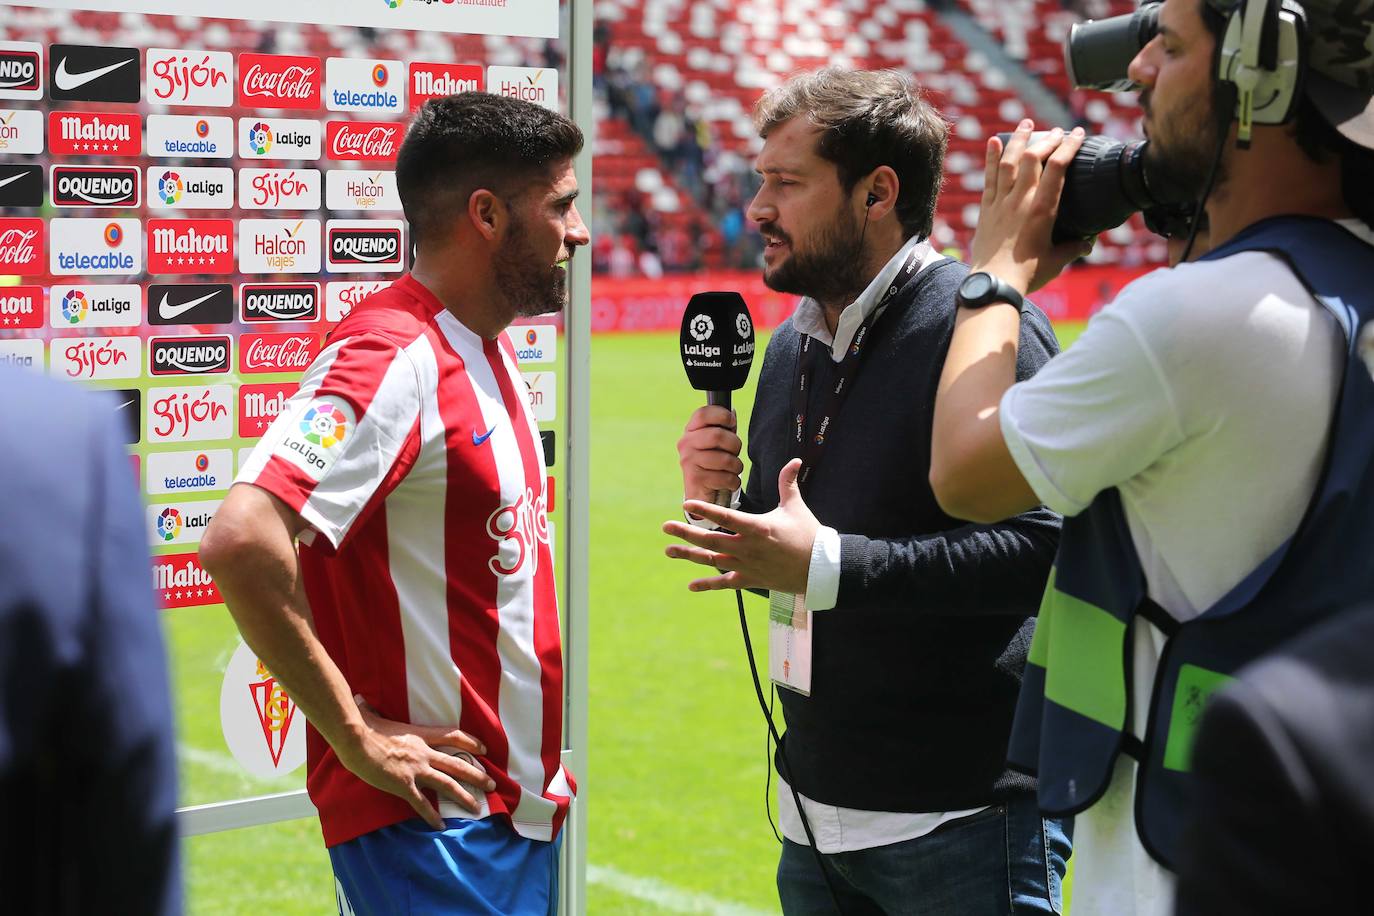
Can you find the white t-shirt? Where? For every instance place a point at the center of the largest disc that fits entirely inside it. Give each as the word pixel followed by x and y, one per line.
pixel 1204 394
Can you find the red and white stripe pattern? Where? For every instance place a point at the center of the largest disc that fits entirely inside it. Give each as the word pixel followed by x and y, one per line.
pixel 431 580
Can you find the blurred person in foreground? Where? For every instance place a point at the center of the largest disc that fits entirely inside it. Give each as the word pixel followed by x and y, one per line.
pixel 1207 437
pixel 87 762
pixel 417 627
pixel 1283 812
pixel 921 623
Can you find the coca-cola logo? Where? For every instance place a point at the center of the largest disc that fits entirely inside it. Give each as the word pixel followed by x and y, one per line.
pixel 21 245
pixel 279 81
pixel 364 141
pixel 277 352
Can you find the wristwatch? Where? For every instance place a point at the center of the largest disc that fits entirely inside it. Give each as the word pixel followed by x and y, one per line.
pixel 981 289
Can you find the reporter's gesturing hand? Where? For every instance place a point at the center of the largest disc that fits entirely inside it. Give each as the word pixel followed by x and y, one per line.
pixel 1020 200
pixel 771 551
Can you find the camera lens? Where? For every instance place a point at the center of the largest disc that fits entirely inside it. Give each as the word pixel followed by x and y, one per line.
pixel 1099 52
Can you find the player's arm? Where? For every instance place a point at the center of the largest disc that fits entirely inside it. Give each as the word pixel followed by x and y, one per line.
pixel 249 549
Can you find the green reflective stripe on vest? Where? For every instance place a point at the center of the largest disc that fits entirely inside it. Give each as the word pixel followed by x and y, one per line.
pixel 1195 685
pixel 1080 647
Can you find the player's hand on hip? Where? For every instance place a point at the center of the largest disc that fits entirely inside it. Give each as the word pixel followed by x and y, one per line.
pixel 405 759
pixel 771 551
pixel 1021 191
pixel 709 453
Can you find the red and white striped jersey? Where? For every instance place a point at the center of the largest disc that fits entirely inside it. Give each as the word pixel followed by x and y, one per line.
pixel 411 452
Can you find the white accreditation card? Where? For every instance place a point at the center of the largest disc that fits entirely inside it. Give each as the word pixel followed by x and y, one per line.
pixel 789 642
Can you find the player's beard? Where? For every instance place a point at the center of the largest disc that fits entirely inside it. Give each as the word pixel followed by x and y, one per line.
pixel 1183 146
pixel 829 269
pixel 531 287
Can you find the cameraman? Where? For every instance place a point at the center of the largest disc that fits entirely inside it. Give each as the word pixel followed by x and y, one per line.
pixel 1188 433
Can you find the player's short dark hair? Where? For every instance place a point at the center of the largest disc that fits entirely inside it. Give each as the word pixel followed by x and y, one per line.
pixel 461 143
pixel 869 118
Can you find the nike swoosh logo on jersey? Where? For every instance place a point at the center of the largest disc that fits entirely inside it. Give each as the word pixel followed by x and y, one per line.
pixel 5 181
pixel 68 81
pixel 480 440
pixel 169 311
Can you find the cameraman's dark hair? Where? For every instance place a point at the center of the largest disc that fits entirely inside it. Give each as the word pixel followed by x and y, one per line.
pixel 1320 141
pixel 460 143
pixel 869 118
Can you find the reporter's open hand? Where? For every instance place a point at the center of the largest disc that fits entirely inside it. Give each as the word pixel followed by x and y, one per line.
pixel 1020 201
pixel 402 759
pixel 771 551
pixel 709 453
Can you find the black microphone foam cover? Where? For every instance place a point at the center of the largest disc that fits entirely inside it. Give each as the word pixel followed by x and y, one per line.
pixel 717 341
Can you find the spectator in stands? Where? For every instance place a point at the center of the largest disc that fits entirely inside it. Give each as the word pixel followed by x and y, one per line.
pixel 895 746
pixel 87 762
pixel 1208 437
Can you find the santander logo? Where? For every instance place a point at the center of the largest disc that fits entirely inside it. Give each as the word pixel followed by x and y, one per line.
pixel 277 352
pixel 375 141
pixel 279 81
pixel 518 531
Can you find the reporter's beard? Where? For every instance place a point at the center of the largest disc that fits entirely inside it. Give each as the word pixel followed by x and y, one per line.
pixel 831 271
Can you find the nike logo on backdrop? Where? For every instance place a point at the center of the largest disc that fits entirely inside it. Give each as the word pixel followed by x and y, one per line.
pixel 69 81
pixel 169 311
pixel 5 181
pixel 479 440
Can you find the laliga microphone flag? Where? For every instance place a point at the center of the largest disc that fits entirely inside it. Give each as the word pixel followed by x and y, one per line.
pixel 717 341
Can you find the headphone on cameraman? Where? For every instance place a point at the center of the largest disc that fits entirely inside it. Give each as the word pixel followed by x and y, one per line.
pixel 1262 57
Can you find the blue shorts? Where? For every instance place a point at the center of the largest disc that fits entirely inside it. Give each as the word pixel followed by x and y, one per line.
pixel 474 868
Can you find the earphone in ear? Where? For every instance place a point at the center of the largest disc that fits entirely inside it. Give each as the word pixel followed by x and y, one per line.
pixel 872 199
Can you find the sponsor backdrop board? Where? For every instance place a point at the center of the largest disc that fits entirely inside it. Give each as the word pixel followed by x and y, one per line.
pixel 181 226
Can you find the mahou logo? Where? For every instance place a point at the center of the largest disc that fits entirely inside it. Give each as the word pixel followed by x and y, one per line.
pixel 280 81
pixel 21 307
pixel 190 246
pixel 433 81
pixel 519 530
pixel 21 246
pixel 259 406
pixel 199 78
pixel 190 414
pixel 260 353
pixel 180 581
pixel 363 141
pixel 78 133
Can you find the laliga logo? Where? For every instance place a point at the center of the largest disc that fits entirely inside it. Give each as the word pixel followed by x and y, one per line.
pixel 260 138
pixel 702 327
pixel 324 425
pixel 74 306
pixel 170 188
pixel 742 326
pixel 169 524
pixel 525 524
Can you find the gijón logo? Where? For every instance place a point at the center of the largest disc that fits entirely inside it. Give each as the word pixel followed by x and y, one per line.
pixel 279 81
pixel 190 78
pixel 190 303
pixel 95 357
pixel 87 73
pixel 275 302
pixel 89 133
pixel 96 186
pixel 207 355
pixel 342 295
pixel 190 414
pixel 279 189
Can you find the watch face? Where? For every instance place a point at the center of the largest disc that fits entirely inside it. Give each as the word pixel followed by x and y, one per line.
pixel 976 286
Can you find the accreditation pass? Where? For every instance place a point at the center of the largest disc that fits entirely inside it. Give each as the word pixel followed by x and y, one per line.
pixel 789 642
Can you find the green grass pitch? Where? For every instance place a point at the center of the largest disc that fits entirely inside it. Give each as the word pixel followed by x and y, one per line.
pixel 674 792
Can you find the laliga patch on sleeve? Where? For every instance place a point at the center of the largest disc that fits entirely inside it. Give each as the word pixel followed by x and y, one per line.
pixel 317 435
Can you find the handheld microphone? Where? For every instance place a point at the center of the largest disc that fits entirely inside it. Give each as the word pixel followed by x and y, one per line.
pixel 717 345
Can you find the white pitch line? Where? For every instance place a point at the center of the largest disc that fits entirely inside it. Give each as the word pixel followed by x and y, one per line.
pixel 225 765
pixel 665 896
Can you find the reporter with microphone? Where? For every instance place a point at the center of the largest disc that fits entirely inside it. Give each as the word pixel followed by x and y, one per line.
pixel 897 634
pixel 1207 438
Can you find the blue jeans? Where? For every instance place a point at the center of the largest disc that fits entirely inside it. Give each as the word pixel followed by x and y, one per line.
pixel 1004 860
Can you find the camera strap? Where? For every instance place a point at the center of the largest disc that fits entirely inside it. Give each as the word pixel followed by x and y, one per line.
pixel 810 440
